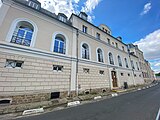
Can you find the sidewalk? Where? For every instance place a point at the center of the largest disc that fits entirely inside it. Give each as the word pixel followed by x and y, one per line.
pixel 17 110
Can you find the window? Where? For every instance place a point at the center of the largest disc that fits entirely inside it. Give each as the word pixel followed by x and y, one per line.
pixel 57 68
pixel 125 59
pixel 98 36
pixel 23 33
pixel 100 55
pixel 122 74
pixel 101 72
pixel 85 51
pixel 84 29
pixel 132 64
pixel 119 61
pixel 137 66
pixel 63 19
pixel 109 42
pixel 33 5
pixel 140 75
pixel 123 48
pixel 116 45
pixel 60 44
pixel 85 70
pixel 13 64
pixel 111 59
pixel 129 74
pixel 135 75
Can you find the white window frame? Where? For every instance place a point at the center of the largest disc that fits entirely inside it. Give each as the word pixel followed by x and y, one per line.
pixel 53 41
pixel 88 48
pixel 102 54
pixel 13 27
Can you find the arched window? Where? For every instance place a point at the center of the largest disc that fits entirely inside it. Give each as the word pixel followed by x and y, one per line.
pixel 132 64
pixel 137 66
pixel 125 59
pixel 111 59
pixel 60 44
pixel 99 55
pixel 23 33
pixel 119 61
pixel 85 51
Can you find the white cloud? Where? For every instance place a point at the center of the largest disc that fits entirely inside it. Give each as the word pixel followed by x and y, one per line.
pixel 60 6
pixel 150 45
pixel 146 9
pixel 90 5
pixel 70 6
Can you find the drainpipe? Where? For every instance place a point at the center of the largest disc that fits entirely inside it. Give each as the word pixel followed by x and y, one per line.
pixel 132 68
pixel 77 89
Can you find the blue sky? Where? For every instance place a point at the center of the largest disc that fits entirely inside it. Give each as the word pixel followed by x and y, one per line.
pixel 125 19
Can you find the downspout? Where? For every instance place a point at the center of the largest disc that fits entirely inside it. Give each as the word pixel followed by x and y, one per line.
pixel 132 68
pixel 77 89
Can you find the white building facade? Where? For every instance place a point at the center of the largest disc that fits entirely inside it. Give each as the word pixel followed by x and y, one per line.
pixel 45 56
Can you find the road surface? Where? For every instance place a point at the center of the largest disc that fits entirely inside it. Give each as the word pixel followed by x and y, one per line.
pixel 140 105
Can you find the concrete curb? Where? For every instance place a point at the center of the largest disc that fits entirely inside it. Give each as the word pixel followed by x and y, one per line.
pixel 73 103
pixel 33 111
pixel 97 97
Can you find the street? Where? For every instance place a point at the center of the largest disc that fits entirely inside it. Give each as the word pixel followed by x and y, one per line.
pixel 139 105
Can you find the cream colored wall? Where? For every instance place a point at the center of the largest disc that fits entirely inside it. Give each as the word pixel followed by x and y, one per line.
pixel 91 30
pixel 36 75
pixel 92 80
pixel 46 28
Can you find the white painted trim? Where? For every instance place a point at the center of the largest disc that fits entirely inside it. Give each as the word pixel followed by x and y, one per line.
pixel 83 42
pixel 102 54
pixel 13 27
pixel 53 41
pixel 112 56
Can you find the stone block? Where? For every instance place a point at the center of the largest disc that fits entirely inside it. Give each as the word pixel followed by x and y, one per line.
pixel 15 83
pixel 20 89
pixel 30 88
pixel 7 89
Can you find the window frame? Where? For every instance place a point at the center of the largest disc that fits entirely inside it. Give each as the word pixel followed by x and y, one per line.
pixel 87 51
pixel 53 42
pixel 14 25
pixel 111 59
pixel 101 56
pixel 84 29
pixel 119 61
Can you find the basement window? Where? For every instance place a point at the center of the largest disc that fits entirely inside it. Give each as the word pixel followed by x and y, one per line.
pixel 55 95
pixel 101 72
pixel 58 68
pixel 122 74
pixel 14 63
pixel 5 101
pixel 85 70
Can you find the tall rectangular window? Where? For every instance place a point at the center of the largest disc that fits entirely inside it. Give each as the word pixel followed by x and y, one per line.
pixel 98 36
pixel 116 45
pixel 109 42
pixel 84 29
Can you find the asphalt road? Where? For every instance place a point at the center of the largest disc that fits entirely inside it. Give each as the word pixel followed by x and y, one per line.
pixel 140 105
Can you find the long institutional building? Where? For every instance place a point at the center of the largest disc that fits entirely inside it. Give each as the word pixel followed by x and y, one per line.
pixel 45 56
